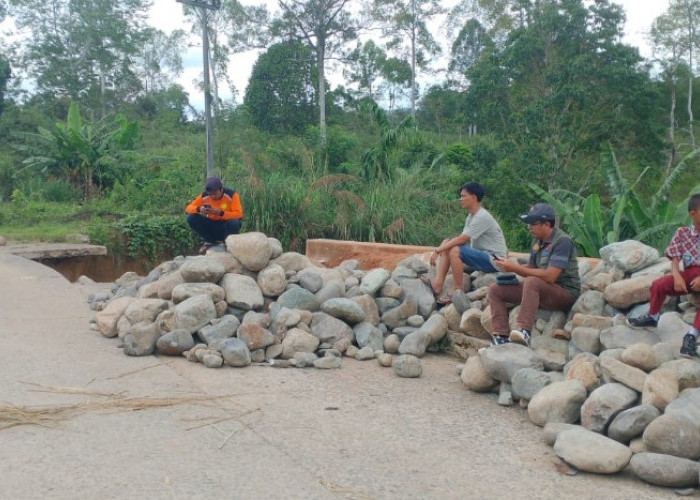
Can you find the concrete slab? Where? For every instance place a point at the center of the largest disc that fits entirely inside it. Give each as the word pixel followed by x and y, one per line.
pixel 38 251
pixel 358 433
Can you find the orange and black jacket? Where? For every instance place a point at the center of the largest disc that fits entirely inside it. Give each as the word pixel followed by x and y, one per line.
pixel 229 204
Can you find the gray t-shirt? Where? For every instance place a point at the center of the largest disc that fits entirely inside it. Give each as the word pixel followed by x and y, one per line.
pixel 485 234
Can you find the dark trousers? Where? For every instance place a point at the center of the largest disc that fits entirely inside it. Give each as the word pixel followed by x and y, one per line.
pixel 663 287
pixel 531 294
pixel 213 231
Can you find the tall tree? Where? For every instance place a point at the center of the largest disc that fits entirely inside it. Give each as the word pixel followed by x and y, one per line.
pixel 668 53
pixel 5 73
pixel 397 79
pixel 365 66
pixel 325 26
pixel 82 49
pixel 471 43
pixel 281 92
pixel 405 22
pixel 160 59
pixel 677 30
pixel 561 85
pixel 232 28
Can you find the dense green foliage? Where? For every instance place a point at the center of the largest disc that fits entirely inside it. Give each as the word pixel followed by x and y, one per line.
pixel 281 96
pixel 542 100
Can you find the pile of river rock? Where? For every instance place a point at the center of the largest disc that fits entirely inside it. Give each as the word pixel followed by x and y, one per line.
pixel 608 396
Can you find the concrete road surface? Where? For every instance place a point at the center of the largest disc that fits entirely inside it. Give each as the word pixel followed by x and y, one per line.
pixel 355 433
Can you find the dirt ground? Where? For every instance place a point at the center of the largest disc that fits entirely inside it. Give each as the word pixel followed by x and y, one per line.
pixel 137 430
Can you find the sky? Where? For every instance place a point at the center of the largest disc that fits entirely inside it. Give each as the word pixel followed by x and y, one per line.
pixel 166 15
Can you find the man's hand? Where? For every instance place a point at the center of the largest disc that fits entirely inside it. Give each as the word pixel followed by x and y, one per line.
pixel 695 284
pixel 433 257
pixel 679 283
pixel 506 265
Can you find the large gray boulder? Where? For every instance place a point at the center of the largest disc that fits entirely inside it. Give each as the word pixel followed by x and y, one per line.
pixel 475 377
pixel 242 291
pixel 299 298
pixel 329 329
pixel 415 343
pixel 629 256
pixel 251 249
pixel 141 339
pixel 298 340
pixel 557 402
pixel 374 280
pixel 665 470
pixel 174 343
pixel 201 269
pixel 220 329
pixel 673 434
pixel 368 335
pixel 604 404
pixel 501 362
pixel 193 313
pixel 272 280
pixel 235 352
pixel 591 452
pixel 625 293
pixel 186 290
pixel 632 422
pixel 344 309
pixel 108 317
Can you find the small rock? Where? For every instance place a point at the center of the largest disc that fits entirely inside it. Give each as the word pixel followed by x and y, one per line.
pixel 385 359
pixel 328 362
pixel 408 366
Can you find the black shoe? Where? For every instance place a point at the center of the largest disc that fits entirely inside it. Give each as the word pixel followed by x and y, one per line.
pixel 642 321
pixel 521 336
pixel 496 340
pixel 688 349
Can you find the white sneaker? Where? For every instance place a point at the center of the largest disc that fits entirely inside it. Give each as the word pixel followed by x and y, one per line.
pixel 521 336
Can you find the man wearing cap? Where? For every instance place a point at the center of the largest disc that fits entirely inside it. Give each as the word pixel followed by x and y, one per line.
pixel 551 278
pixel 215 213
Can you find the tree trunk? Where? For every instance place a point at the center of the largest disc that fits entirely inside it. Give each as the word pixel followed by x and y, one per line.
pixel 413 61
pixel 671 129
pixel 691 41
pixel 321 61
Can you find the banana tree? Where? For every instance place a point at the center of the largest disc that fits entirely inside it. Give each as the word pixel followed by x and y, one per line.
pixel 82 152
pixel 592 225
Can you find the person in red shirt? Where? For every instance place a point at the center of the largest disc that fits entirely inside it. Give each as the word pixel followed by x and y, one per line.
pixel 215 213
pixel 684 248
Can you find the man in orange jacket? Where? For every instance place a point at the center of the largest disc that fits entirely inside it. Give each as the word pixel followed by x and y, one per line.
pixel 215 213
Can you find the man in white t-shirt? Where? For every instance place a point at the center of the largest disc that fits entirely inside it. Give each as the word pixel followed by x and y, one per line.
pixel 480 243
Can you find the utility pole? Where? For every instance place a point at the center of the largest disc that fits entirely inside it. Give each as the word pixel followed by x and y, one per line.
pixel 202 6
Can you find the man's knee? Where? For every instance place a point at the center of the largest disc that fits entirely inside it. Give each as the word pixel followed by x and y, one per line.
pixel 232 226
pixel 532 283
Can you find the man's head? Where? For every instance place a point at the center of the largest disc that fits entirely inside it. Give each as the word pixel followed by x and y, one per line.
pixel 214 187
pixel 694 209
pixel 470 195
pixel 540 220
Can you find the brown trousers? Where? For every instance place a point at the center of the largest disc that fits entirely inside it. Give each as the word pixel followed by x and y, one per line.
pixel 531 294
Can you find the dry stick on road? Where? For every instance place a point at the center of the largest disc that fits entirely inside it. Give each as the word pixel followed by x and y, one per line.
pixel 51 416
pixel 140 370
